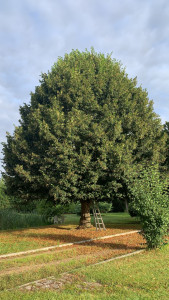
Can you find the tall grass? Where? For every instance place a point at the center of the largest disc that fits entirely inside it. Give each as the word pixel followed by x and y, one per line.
pixel 11 219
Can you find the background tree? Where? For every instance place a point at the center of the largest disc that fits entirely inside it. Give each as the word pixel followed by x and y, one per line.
pixel 87 125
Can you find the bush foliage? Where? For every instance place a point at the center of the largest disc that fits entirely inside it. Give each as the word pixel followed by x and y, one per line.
pixel 151 204
pixel 48 209
pixel 105 207
pixel 11 219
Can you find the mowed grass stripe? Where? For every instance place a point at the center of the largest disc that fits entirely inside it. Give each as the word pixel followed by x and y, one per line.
pixel 113 247
pixel 143 277
pixel 64 245
pixel 90 265
pixel 94 252
pixel 26 275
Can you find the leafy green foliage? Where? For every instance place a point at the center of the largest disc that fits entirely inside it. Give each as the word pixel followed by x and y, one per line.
pixel 4 199
pixel 73 208
pixel 48 210
pixel 151 204
pixel 87 125
pixel 78 208
pixel 105 207
pixel 11 219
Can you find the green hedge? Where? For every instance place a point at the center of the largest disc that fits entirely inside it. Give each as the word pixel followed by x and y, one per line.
pixel 11 219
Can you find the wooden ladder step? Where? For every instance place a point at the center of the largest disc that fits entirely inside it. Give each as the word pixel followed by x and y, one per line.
pixel 98 219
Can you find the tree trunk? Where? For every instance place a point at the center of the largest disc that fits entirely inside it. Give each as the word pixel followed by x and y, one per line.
pixel 85 219
pixel 126 206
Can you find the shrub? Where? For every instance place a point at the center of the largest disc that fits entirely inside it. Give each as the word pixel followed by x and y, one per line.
pixel 105 207
pixel 48 209
pixel 11 219
pixel 73 208
pixel 151 204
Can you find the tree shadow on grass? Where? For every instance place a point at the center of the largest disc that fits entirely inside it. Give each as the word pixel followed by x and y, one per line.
pixel 115 243
pixel 130 226
pixel 70 237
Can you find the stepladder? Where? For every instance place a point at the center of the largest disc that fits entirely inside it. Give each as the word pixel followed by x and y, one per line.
pixel 98 218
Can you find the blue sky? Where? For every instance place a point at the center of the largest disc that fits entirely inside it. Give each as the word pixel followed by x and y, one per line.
pixel 34 33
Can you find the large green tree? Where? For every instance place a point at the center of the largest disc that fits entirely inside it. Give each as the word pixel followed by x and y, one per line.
pixel 86 126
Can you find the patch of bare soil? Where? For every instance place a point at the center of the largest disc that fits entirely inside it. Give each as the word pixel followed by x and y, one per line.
pixel 49 283
pixel 57 284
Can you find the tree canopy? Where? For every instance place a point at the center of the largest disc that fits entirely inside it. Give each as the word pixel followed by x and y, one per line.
pixel 87 124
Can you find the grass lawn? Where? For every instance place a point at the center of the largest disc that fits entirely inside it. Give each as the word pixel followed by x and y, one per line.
pixel 34 238
pixel 144 276
pixel 109 219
